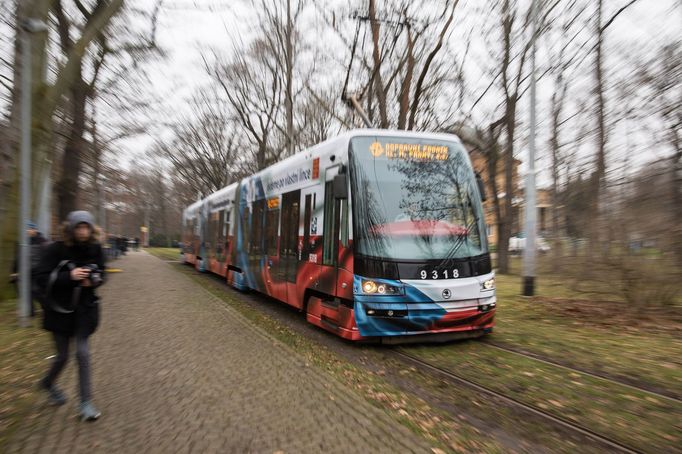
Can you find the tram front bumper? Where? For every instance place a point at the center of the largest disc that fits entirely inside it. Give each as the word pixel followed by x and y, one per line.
pixel 395 319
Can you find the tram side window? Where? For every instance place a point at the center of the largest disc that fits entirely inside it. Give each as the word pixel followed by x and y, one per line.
pixel 226 230
pixel 187 235
pixel 328 231
pixel 295 214
pixel 290 215
pixel 257 238
pixel 212 234
pixel 306 226
pixel 245 229
pixel 345 222
pixel 271 227
pixel 220 241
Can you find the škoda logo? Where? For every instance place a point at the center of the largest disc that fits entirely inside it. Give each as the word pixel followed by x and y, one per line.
pixel 376 149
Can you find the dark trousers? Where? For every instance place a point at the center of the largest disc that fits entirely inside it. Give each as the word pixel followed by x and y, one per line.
pixel 82 355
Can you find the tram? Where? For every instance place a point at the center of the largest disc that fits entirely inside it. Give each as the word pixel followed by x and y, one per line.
pixel 374 235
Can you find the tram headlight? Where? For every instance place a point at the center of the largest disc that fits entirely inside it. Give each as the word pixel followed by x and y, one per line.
pixel 370 287
pixel 488 284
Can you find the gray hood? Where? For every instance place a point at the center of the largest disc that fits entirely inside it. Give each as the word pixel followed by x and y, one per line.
pixel 78 217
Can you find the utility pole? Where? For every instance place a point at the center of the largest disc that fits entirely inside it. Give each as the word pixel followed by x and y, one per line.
pixel 529 250
pixel 28 27
pixel 353 103
pixel 352 99
pixel 44 220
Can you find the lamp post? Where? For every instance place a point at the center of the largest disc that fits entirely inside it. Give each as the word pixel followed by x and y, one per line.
pixel 28 27
pixel 531 209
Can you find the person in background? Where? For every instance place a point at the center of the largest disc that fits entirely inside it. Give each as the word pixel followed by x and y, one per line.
pixel 37 243
pixel 113 246
pixel 122 245
pixel 69 273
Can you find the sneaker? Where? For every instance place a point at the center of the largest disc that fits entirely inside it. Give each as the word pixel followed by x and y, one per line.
pixel 88 412
pixel 54 395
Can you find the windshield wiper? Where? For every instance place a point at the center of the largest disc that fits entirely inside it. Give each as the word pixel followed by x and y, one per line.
pixel 461 240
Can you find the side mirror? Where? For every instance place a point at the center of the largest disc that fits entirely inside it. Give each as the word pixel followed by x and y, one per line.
pixel 340 186
pixel 481 187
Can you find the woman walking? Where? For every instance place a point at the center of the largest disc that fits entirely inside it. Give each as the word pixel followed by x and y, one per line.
pixel 69 273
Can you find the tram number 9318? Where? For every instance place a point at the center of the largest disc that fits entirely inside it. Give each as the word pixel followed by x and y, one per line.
pixel 439 274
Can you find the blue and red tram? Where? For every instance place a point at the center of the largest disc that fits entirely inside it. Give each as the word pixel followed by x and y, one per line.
pixel 373 234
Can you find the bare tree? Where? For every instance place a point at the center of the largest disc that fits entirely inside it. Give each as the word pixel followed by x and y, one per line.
pixel 516 42
pixel 400 72
pixel 565 32
pixel 82 91
pixel 205 151
pixel 7 24
pixel 663 99
pixel 278 26
pixel 318 117
pixel 46 98
pixel 253 87
pixel 599 174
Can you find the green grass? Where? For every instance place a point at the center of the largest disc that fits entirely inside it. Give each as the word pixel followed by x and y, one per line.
pixel 636 418
pixel 646 275
pixel 165 253
pixel 624 352
pixel 22 363
pixel 638 356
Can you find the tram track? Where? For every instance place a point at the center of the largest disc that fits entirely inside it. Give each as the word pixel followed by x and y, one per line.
pixel 453 377
pixel 544 360
pixel 577 431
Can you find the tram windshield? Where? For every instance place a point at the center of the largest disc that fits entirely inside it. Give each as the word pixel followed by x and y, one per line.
pixel 414 199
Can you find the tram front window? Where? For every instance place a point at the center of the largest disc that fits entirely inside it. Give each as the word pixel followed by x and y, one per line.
pixel 415 199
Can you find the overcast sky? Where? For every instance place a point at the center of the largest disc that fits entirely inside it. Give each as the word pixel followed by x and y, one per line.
pixel 188 28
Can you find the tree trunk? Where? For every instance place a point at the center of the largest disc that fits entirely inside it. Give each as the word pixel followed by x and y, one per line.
pixel 67 189
pixel 557 102
pixel 41 125
pixel 676 169
pixel 376 56
pixel 492 162
pixel 505 226
pixel 289 97
pixel 260 158
pixel 407 83
pixel 600 172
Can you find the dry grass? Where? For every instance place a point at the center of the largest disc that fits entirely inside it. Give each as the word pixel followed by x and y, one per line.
pixel 22 362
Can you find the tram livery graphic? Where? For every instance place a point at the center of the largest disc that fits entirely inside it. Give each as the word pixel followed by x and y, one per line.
pixel 374 234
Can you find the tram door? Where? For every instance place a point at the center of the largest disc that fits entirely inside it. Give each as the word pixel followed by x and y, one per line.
pixel 288 243
pixel 330 234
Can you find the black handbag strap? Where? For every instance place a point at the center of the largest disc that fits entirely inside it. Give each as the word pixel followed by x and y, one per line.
pixel 50 283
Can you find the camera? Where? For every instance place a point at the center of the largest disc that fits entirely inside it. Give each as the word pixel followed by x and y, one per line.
pixel 95 274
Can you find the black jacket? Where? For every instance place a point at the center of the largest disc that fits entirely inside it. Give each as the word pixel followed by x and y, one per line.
pixel 38 244
pixel 84 319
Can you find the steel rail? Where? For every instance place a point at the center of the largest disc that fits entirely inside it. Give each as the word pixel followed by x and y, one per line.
pixel 539 358
pixel 563 422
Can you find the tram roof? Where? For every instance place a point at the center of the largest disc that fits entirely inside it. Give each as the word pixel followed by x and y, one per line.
pixel 345 137
pixel 222 192
pixel 320 148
